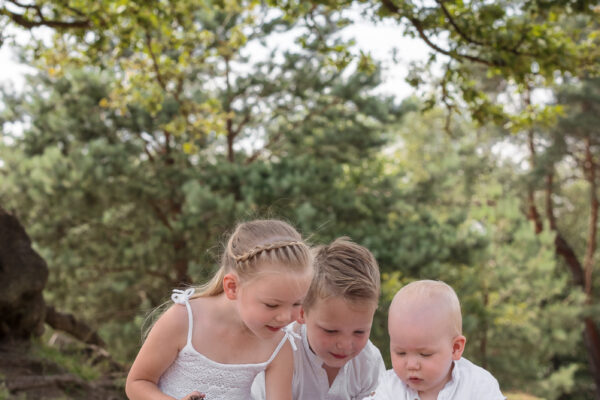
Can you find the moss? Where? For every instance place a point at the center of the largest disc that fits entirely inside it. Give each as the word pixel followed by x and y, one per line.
pixel 71 358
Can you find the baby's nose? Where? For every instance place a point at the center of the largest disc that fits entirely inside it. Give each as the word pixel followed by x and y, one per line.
pixel 412 362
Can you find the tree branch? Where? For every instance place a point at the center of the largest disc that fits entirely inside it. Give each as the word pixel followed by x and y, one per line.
pixel 590 174
pixel 21 20
pixel 69 324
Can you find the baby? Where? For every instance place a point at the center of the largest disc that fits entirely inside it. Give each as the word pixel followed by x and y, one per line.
pixel 426 345
pixel 335 359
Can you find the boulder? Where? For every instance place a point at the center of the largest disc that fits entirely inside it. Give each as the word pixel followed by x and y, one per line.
pixel 23 276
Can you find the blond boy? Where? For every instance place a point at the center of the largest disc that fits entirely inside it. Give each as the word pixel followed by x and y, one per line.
pixel 426 346
pixel 335 359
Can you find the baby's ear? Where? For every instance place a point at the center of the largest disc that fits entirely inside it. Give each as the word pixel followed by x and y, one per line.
pixel 301 318
pixel 230 286
pixel 458 346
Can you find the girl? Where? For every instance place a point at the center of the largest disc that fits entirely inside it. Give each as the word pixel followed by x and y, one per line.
pixel 233 328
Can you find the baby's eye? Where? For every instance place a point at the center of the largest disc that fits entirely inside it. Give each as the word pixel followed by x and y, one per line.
pixel 425 354
pixel 271 305
pixel 359 333
pixel 401 353
pixel 330 331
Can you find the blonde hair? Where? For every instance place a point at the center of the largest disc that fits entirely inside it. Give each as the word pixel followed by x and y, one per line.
pixel 343 269
pixel 438 293
pixel 256 243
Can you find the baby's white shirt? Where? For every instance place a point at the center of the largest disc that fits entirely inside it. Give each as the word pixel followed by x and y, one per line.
pixel 468 382
pixel 356 379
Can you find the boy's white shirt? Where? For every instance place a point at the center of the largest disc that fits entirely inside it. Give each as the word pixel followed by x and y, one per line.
pixel 468 382
pixel 357 379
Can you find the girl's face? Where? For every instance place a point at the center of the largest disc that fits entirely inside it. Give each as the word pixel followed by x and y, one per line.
pixel 272 299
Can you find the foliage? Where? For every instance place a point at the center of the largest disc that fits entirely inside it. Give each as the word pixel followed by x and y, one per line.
pixel 515 298
pixel 152 128
pixel 122 210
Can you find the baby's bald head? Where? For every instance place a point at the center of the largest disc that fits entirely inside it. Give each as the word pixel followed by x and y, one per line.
pixel 426 299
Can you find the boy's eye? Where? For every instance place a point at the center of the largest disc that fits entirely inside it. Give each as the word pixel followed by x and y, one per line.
pixel 425 354
pixel 359 333
pixel 330 331
pixel 400 353
pixel 271 305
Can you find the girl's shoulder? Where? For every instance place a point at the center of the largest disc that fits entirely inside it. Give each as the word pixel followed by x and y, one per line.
pixel 173 320
pixel 177 314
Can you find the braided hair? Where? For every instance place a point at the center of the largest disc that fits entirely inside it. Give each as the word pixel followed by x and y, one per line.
pixel 256 243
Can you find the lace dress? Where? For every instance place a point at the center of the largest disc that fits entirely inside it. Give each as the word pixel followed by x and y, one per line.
pixel 193 371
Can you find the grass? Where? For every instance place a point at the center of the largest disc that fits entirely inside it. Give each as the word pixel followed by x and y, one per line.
pixel 520 396
pixel 71 359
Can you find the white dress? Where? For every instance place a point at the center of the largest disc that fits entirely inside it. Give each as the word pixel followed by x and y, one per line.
pixel 192 371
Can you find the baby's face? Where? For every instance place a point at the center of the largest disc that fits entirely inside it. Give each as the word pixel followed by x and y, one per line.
pixel 422 350
pixel 337 329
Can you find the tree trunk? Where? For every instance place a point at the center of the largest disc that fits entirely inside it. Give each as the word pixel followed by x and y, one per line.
pixel 580 274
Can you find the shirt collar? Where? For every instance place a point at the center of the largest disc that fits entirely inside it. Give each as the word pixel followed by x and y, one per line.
pixel 446 392
pixel 315 361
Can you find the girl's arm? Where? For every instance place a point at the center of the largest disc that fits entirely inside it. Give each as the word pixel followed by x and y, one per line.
pixel 279 374
pixel 167 337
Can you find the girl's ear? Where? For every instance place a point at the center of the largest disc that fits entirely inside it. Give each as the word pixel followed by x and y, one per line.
pixel 231 286
pixel 458 346
pixel 301 318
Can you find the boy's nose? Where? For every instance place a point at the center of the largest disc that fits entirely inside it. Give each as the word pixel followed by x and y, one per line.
pixel 344 344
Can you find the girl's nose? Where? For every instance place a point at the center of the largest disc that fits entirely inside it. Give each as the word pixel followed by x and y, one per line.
pixel 286 315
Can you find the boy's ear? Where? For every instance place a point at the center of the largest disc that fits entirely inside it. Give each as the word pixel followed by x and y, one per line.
pixel 230 286
pixel 301 318
pixel 458 346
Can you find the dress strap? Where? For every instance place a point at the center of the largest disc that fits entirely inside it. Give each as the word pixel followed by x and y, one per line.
pixel 183 297
pixel 290 335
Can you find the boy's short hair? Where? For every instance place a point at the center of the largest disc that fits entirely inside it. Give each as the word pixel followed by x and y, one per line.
pixel 427 291
pixel 343 269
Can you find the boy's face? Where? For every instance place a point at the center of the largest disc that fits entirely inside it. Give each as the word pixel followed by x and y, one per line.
pixel 337 329
pixel 422 349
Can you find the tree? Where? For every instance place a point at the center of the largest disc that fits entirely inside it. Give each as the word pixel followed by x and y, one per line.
pixel 517 301
pixel 123 208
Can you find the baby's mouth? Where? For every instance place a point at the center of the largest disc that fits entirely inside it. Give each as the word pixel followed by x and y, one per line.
pixel 338 356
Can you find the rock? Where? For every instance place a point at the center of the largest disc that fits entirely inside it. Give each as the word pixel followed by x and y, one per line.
pixel 23 276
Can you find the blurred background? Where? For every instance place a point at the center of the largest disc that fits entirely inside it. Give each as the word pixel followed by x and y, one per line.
pixel 457 140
